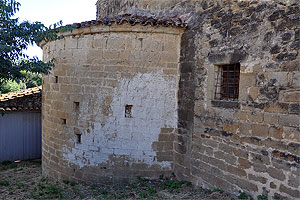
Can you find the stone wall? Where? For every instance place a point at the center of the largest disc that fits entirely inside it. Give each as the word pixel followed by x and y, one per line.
pixel 252 145
pixel 110 103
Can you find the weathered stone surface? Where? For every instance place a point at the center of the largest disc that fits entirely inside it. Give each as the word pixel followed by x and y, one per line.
pixel 275 173
pixel 108 99
pixel 289 120
pixel 217 141
pixel 289 191
pixel 259 130
pixel 263 180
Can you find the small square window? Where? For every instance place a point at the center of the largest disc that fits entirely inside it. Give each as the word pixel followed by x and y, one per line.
pixel 63 121
pixel 227 82
pixel 128 111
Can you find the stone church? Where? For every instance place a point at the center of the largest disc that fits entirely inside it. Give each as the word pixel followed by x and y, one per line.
pixel 206 89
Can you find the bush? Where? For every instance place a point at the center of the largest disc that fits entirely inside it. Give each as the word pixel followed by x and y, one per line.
pixel 29 80
pixel 11 86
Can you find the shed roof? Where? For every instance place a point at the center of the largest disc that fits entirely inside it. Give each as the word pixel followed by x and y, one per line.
pixel 23 100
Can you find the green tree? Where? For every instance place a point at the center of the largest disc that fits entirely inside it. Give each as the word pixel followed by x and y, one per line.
pixel 15 37
pixel 11 86
pixel 29 80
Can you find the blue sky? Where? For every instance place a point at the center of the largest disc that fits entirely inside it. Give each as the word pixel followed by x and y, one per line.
pixel 52 11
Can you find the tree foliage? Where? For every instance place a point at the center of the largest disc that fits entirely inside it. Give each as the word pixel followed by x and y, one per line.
pixel 29 80
pixel 15 37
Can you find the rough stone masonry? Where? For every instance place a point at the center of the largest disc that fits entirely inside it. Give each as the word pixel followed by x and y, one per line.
pixel 110 104
pixel 142 100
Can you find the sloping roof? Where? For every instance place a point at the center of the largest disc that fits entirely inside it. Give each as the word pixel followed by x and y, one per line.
pixel 135 20
pixel 23 100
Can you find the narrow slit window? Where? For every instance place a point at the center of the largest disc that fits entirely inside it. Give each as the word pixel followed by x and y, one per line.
pixel 56 79
pixel 227 82
pixel 76 107
pixel 78 138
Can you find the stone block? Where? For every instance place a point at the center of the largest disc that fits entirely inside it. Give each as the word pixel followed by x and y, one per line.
pixel 237 171
pixel 294 108
pixel 253 93
pixel 276 173
pixel 165 156
pixel 271 118
pixel 182 149
pixel 71 43
pixel 260 159
pixel 247 185
pixel 111 54
pixel 209 151
pixel 291 133
pixel 256 117
pixel 215 162
pixel 241 153
pixel 244 163
pixel 296 80
pixel 277 108
pixel 166 137
pixel 289 120
pixel 290 96
pixel 99 42
pixel 210 143
pixel 276 132
pixel 94 55
pixel 242 115
pixel 280 78
pixel 260 179
pixel 292 192
pixel 245 129
pixel 294 181
pixel 260 130
pixel 179 158
pixel 115 43
pixel 247 80
pixel 85 42
pixel 226 148
pixel 231 127
pixel 199 165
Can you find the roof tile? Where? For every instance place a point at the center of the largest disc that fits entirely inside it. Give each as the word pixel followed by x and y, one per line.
pixel 23 100
pixel 133 20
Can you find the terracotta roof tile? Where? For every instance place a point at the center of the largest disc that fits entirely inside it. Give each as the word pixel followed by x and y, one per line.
pixel 23 100
pixel 134 20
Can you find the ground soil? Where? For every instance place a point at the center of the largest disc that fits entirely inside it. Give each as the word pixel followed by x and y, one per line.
pixel 24 181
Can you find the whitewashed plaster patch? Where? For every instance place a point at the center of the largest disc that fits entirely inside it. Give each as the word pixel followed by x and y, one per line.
pixel 153 97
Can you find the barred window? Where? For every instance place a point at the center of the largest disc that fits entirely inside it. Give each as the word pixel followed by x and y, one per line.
pixel 227 82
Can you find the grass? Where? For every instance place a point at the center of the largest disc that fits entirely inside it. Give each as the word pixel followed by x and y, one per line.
pixel 262 197
pixel 6 164
pixel 71 183
pixel 243 195
pixel 218 190
pixel 43 188
pixel 4 183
